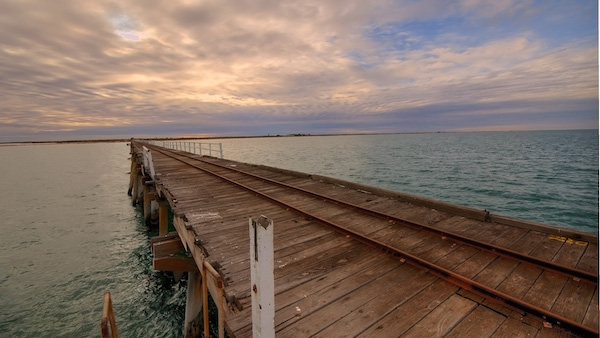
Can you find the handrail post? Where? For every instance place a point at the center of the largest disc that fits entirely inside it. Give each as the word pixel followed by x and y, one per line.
pixel 262 277
pixel 108 317
pixel 148 161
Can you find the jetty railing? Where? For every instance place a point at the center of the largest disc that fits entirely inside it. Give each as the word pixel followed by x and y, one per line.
pixel 108 318
pixel 200 148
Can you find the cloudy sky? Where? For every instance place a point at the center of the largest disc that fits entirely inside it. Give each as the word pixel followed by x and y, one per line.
pixel 105 69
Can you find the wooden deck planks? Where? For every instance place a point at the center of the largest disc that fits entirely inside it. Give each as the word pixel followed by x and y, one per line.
pixel 376 308
pixel 591 316
pixel 589 260
pixel 520 280
pixel 369 265
pixel 570 253
pixel 342 288
pixel 548 247
pixel 512 328
pixel 528 242
pixel 574 300
pixel 496 272
pixel 309 316
pixel 546 289
pixel 481 322
pixel 456 257
pixel 408 314
pixel 443 318
pixel 475 264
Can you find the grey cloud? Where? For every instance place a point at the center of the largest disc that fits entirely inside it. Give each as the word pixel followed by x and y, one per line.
pixel 220 67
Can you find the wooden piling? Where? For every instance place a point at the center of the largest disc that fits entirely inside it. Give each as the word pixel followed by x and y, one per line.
pixel 134 182
pixel 132 172
pixel 163 218
pixel 194 302
pixel 150 205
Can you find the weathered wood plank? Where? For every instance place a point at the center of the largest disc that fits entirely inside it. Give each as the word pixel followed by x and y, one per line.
pixel 456 257
pixel 167 247
pixel 548 247
pixel 443 319
pixel 482 322
pixel 570 253
pixel 574 300
pixel 509 237
pixel 405 316
pixel 528 242
pixel 512 328
pixel 429 217
pixel 546 289
pixel 316 321
pixel 304 317
pixel 496 272
pixel 452 224
pixel 475 264
pixel 174 263
pixel 589 260
pixel 492 232
pixel 378 307
pixel 520 280
pixel 591 316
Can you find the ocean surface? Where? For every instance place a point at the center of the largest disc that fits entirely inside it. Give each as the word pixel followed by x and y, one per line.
pixel 69 231
pixel 543 176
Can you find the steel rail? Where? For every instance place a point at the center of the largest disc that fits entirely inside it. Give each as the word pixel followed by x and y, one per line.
pixel 505 252
pixel 418 262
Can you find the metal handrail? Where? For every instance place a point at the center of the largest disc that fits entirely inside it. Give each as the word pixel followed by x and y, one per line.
pixel 200 148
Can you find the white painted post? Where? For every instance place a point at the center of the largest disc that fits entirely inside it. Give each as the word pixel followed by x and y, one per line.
pixel 262 278
pixel 221 149
pixel 148 162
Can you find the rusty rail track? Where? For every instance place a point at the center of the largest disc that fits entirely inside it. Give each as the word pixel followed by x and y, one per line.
pixel 439 271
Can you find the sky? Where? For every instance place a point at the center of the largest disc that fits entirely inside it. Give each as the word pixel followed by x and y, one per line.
pixel 99 69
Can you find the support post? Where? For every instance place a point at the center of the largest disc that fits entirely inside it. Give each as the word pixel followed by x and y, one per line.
pixel 205 302
pixel 132 176
pixel 262 278
pixel 193 305
pixel 147 201
pixel 163 218
pixel 136 185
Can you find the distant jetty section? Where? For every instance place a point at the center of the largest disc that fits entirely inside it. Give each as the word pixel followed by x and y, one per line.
pixel 354 260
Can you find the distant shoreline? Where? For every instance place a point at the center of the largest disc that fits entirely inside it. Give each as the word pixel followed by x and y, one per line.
pixel 119 140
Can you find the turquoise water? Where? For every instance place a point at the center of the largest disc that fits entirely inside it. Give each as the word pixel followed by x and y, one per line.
pixel 69 232
pixel 544 176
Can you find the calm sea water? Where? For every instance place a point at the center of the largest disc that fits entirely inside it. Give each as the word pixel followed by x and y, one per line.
pixel 69 232
pixel 544 176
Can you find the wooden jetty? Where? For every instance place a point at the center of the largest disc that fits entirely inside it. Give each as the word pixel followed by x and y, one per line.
pixel 357 261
